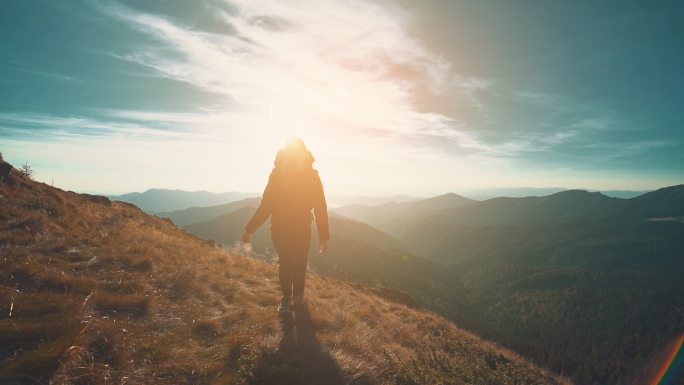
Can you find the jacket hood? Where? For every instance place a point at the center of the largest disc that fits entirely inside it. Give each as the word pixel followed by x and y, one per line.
pixel 285 156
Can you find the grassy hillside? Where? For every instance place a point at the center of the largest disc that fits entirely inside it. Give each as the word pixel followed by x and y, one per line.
pixel 97 292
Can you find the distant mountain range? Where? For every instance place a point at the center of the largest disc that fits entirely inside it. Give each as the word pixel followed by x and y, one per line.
pixel 624 194
pixel 163 200
pixel 335 200
pixel 564 206
pixel 391 217
pixel 193 215
pixel 520 192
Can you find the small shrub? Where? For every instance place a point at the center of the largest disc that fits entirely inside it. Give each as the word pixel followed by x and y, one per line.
pixel 26 170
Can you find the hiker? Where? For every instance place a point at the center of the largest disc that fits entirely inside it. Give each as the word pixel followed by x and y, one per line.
pixel 293 190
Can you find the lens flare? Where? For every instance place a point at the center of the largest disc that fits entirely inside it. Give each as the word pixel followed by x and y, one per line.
pixel 674 361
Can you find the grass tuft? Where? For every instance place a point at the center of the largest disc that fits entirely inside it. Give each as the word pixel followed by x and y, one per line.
pixel 207 328
pixel 34 276
pixel 34 366
pixel 132 305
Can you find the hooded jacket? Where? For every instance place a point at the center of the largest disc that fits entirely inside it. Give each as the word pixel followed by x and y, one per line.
pixel 289 198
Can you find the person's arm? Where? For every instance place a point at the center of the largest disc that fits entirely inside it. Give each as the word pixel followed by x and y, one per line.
pixel 262 212
pixel 321 215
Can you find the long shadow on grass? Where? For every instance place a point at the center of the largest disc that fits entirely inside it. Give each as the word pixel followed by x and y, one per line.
pixel 299 359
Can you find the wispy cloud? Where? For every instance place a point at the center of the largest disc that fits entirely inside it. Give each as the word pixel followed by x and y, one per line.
pixel 50 127
pixel 314 68
pixel 32 72
pixel 605 152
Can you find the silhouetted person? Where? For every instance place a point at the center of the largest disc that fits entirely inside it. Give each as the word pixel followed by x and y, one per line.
pixel 293 190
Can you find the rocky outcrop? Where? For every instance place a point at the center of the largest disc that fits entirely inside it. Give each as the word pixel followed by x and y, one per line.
pixel 5 170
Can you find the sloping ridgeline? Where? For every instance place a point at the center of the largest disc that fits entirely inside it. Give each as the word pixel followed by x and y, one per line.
pixel 98 292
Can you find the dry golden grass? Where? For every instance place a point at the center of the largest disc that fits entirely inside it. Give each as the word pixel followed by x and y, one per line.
pixel 93 292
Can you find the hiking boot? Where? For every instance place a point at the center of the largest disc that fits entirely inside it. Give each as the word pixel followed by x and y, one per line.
pixel 284 306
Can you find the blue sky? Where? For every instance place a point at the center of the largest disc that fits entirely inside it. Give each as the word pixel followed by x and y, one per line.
pixel 391 96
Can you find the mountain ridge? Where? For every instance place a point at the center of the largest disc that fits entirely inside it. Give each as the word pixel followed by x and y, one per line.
pixel 156 200
pixel 563 206
pixel 198 214
pixel 393 214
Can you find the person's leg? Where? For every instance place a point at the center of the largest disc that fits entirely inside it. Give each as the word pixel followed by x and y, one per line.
pixel 284 248
pixel 301 255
